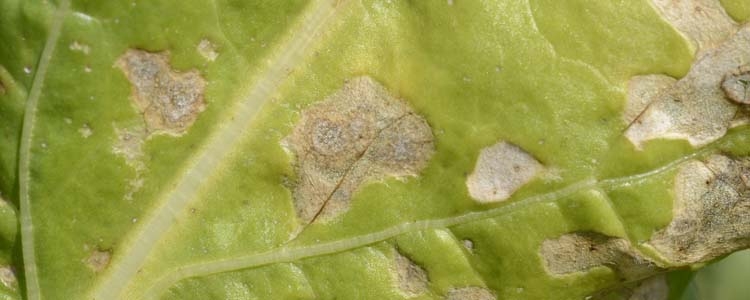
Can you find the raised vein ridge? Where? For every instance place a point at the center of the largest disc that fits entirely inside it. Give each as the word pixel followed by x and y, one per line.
pixel 24 156
pixel 221 143
pixel 281 255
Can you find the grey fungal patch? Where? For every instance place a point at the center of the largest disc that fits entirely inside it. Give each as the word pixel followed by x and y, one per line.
pixel 411 279
pixel 642 91
pixel 581 251
pixel 207 50
pixel 169 101
pixel 736 85
pixel 501 169
pixel 711 211
pixel 695 108
pixel 470 293
pixel 703 22
pixel 360 133
pixel 98 260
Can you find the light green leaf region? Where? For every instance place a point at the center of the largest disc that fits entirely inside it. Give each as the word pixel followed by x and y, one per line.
pixel 209 214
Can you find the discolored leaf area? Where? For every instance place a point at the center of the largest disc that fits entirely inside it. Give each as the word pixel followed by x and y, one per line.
pixel 371 149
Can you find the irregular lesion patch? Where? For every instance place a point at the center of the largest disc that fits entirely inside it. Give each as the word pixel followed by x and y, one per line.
pixel 360 133
pixel 711 211
pixel 169 101
pixel 581 251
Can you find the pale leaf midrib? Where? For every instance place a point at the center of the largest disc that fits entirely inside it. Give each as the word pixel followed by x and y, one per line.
pixel 221 143
pixel 281 255
pixel 24 154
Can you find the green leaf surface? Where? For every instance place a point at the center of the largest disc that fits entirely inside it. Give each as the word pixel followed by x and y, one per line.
pixel 112 206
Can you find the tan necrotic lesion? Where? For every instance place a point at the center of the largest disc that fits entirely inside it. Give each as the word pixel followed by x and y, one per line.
pixel 711 211
pixel 411 279
pixel 360 133
pixel 169 101
pixel 703 105
pixel 581 251
pixel 501 169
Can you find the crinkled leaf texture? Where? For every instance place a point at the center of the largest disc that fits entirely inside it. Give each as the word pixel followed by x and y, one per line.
pixel 320 149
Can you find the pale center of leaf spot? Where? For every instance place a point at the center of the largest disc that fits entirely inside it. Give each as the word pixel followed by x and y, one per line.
pixel 501 169
pixel 580 251
pixel 711 211
pixel 359 133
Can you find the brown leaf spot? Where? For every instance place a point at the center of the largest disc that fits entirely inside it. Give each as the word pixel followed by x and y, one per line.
pixel 359 133
pixel 695 107
pixel 580 251
pixel 711 211
pixel 169 101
